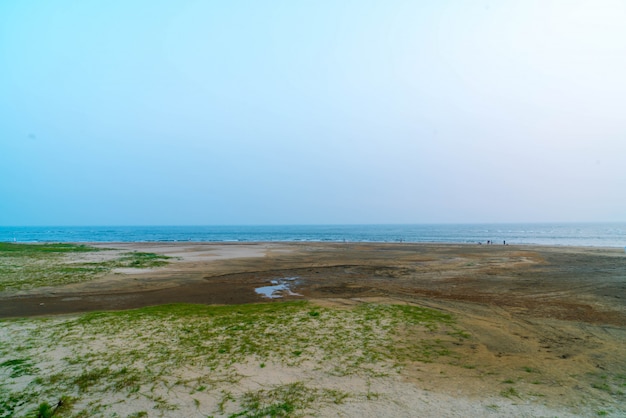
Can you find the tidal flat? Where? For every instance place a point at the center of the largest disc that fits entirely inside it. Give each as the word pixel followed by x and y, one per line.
pixel 163 329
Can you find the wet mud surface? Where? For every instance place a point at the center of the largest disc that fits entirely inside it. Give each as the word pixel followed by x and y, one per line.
pixel 587 285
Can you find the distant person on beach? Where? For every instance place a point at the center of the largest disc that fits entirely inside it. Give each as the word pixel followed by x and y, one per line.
pixel 503 242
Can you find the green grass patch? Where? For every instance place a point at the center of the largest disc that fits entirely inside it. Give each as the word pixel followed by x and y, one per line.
pixel 18 367
pixel 286 400
pixel 59 409
pixel 611 383
pixel 28 250
pixel 146 354
pixel 29 266
pixel 510 393
pixel 142 260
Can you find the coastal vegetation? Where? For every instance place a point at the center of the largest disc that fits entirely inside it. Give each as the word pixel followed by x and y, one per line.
pixel 28 266
pixel 201 357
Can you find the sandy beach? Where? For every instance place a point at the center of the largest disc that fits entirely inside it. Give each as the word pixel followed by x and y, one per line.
pixel 545 326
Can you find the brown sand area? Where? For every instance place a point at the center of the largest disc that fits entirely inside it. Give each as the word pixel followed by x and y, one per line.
pixel 552 319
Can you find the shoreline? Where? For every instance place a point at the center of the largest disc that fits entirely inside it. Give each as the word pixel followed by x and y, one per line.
pixel 287 242
pixel 605 234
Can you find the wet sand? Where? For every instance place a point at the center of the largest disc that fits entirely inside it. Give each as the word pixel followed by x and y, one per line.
pixel 581 284
pixel 561 310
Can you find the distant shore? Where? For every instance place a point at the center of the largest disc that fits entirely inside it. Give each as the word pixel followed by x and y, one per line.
pixel 570 234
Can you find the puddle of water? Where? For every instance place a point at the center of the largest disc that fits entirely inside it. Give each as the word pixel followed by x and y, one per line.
pixel 278 288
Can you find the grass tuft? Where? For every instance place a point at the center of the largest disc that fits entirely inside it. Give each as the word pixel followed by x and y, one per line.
pixel 510 393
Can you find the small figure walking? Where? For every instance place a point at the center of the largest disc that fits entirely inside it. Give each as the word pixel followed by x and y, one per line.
pixel 503 242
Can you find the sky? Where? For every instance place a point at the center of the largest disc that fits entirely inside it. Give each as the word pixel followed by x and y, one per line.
pixel 311 112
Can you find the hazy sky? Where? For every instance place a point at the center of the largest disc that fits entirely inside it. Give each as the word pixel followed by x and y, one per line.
pixel 124 112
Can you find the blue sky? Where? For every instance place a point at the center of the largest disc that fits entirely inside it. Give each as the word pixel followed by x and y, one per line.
pixel 284 112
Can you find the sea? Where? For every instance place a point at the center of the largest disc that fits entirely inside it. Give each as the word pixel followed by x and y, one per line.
pixel 559 234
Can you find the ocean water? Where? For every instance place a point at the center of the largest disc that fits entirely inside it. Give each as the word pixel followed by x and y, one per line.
pixel 570 234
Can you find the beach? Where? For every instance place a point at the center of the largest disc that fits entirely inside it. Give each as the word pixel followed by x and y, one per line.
pixel 537 331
